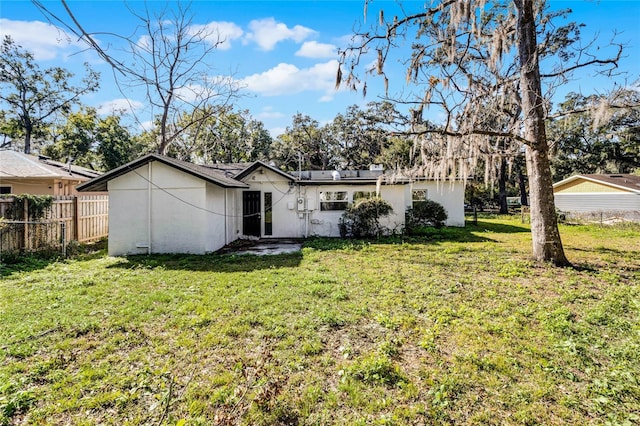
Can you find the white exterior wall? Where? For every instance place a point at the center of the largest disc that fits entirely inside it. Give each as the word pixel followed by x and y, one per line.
pixel 326 223
pixel 167 216
pixel 220 205
pixel 449 194
pixel 285 220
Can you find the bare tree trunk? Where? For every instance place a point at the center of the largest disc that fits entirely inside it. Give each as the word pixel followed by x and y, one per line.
pixel 28 131
pixel 27 142
pixel 502 187
pixel 547 245
pixel 523 188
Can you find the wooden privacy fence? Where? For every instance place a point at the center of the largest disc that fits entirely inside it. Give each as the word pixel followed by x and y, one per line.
pixel 70 218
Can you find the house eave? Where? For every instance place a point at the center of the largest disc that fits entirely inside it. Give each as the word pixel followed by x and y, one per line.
pixel 574 178
pixel 100 183
pixel 257 164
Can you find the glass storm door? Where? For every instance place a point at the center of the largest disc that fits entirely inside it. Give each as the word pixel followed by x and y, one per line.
pixel 251 213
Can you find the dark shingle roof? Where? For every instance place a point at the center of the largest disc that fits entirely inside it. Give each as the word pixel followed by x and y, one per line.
pixel 215 176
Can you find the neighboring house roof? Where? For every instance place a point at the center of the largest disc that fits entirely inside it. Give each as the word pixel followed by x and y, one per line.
pixel 620 181
pixel 206 173
pixel 15 164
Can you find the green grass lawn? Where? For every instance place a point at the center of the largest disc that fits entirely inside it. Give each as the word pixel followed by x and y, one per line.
pixel 457 327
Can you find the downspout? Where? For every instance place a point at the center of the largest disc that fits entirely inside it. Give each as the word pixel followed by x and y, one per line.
pixel 149 189
pixel 226 215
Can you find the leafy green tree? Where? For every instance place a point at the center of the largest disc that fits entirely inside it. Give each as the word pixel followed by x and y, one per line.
pixel 304 144
pixel 75 139
pixel 359 137
pixel 115 144
pixel 31 97
pixel 610 146
pixel 227 137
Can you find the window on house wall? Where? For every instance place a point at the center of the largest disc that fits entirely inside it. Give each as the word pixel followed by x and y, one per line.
pixel 418 195
pixel 333 200
pixel 363 195
pixel 5 190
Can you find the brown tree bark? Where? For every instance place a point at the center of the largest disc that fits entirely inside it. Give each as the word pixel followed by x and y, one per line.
pixel 502 187
pixel 547 245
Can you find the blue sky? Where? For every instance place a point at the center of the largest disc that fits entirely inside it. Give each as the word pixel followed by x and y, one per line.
pixel 283 52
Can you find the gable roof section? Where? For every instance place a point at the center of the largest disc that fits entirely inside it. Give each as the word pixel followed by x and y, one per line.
pixel 620 181
pixel 15 164
pixel 208 174
pixel 257 164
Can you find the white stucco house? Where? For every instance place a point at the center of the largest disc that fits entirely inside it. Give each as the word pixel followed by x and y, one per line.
pixel 162 205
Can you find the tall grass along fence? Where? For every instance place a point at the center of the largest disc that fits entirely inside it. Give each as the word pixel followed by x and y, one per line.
pixel 65 219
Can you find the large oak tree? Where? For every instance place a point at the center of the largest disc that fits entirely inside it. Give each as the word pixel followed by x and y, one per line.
pixel 477 63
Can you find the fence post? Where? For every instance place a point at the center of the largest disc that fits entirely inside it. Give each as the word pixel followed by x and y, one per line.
pixel 76 230
pixel 63 238
pixel 25 219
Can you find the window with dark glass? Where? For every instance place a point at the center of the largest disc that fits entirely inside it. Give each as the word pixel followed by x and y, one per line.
pixel 333 200
pixel 363 195
pixel 418 195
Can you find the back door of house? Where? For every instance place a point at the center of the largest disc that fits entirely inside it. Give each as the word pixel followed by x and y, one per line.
pixel 251 213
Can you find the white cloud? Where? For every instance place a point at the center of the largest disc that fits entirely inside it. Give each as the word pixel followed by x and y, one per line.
pixel 313 49
pixel 44 40
pixel 266 33
pixel 147 126
pixel 268 113
pixel 144 42
pixel 277 131
pixel 286 79
pixel 121 105
pixel 220 32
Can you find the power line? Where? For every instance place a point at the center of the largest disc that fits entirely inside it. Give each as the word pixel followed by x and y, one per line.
pixel 284 194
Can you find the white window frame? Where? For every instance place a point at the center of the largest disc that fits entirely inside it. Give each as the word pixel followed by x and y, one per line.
pixel 329 200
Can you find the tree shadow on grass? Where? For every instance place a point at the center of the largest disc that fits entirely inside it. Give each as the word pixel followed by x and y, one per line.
pixel 210 262
pixel 630 264
pixel 16 262
pixel 26 263
pixel 471 233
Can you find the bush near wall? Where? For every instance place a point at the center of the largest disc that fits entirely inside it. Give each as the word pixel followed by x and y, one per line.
pixel 362 219
pixel 424 214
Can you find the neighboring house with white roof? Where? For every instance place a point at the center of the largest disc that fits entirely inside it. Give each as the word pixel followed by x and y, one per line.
pixel 31 174
pixel 599 193
pixel 159 204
